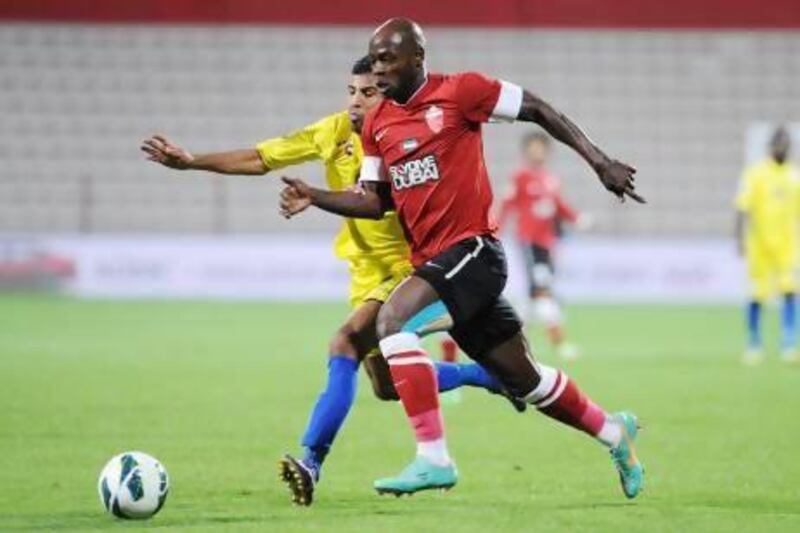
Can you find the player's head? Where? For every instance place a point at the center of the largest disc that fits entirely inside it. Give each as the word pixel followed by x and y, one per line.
pixel 779 144
pixel 536 147
pixel 397 49
pixel 364 94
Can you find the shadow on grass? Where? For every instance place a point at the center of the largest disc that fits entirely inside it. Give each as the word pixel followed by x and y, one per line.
pixel 751 506
pixel 273 517
pixel 72 521
pixel 754 506
pixel 582 506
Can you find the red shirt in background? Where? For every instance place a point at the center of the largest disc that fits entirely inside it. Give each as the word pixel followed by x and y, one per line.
pixel 537 202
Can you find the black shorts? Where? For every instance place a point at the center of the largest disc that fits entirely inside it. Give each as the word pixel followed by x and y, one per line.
pixel 469 277
pixel 539 262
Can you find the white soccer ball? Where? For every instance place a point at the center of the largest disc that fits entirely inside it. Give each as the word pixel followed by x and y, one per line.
pixel 133 485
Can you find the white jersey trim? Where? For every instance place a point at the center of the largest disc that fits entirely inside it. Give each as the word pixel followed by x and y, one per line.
pixel 508 103
pixel 466 259
pixel 371 169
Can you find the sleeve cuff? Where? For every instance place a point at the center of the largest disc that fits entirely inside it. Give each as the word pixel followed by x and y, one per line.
pixel 263 152
pixel 508 103
pixel 371 169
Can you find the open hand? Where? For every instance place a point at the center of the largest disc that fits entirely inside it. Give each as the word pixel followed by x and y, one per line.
pixel 162 150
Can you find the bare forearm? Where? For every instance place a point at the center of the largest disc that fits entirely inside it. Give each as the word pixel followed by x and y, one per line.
pixel 238 162
pixel 534 109
pixel 361 204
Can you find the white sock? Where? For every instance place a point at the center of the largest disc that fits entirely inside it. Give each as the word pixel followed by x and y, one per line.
pixel 611 433
pixel 435 451
pixel 547 311
pixel 522 307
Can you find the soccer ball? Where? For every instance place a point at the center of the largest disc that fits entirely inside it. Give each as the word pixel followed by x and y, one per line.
pixel 133 485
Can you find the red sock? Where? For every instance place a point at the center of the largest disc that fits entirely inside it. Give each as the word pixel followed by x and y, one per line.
pixel 414 379
pixel 449 350
pixel 559 397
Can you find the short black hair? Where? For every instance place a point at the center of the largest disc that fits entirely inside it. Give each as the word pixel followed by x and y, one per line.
pixel 362 66
pixel 536 136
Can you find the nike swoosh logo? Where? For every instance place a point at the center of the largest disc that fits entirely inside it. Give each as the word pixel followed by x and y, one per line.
pixel 430 263
pixel 381 134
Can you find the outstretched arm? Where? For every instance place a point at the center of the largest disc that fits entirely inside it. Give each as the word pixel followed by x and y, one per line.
pixel 369 200
pixel 168 153
pixel 616 176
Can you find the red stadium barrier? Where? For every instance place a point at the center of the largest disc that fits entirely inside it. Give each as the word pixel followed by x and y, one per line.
pixel 688 14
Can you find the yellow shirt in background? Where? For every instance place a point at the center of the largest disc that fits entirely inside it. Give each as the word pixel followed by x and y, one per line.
pixel 769 194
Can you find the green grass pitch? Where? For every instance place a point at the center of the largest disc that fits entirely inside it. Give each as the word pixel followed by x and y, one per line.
pixel 218 391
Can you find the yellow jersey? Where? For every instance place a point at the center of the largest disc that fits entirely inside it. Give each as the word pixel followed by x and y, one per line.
pixel 332 141
pixel 769 193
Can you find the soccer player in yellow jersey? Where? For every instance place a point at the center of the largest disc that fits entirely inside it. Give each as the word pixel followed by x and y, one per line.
pixel 377 256
pixel 768 206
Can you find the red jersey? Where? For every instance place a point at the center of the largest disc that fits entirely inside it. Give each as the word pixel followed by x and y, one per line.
pixel 431 150
pixel 536 200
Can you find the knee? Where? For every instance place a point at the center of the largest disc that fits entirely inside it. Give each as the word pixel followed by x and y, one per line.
pixel 522 392
pixel 539 292
pixel 388 322
pixel 344 343
pixel 520 388
pixel 519 384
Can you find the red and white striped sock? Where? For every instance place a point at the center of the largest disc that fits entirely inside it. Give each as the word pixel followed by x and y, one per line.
pixel 559 397
pixel 414 378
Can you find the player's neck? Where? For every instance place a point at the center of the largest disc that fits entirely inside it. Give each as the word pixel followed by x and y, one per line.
pixel 413 88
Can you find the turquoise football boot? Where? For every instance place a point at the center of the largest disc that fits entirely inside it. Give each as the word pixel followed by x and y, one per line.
pixel 421 474
pixel 631 471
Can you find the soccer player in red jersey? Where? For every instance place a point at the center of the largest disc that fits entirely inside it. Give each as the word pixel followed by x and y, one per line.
pixel 424 156
pixel 377 254
pixel 540 210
